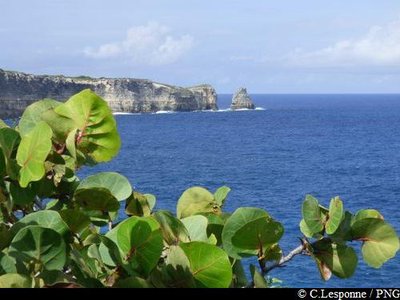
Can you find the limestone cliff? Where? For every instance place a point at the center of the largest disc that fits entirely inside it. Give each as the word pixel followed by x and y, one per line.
pixel 17 90
pixel 242 100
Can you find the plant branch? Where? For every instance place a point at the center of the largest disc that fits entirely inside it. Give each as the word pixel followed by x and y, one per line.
pixel 284 259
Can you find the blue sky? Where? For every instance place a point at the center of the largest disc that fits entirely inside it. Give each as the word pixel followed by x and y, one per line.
pixel 286 46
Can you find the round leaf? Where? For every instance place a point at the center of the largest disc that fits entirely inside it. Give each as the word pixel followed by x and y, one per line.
pixel 381 241
pixel 43 218
pixel 140 243
pixel 209 265
pixel 339 258
pixel 98 137
pixel 33 114
pixel 250 231
pixel 196 200
pixel 39 245
pixel 96 199
pixel 365 214
pixel 117 184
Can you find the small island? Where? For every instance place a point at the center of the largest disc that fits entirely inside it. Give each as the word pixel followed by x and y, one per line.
pixel 242 100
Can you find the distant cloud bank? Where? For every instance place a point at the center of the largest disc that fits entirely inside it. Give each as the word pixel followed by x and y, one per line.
pixel 150 44
pixel 379 47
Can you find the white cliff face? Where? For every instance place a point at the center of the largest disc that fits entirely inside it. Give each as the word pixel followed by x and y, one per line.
pixel 17 90
pixel 242 100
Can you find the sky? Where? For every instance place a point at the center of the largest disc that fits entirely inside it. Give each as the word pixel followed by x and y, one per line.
pixel 285 46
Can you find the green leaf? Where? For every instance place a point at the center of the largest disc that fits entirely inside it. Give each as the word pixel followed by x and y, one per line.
pixel 336 215
pixel 173 230
pixel 3 168
pixel 15 281
pixel 196 200
pixel 250 231
pixel 38 245
pixel 33 114
pixel 339 258
pixel 109 252
pixel 137 205
pixel 343 233
pixel 140 244
pixel 19 195
pixel 176 270
pixel 196 227
pixel 221 194
pixel 209 265
pixel 96 199
pixel 97 137
pixel 32 153
pixel 305 230
pixel 75 219
pixel 7 264
pixel 381 241
pixel 365 214
pixel 258 280
pixel 312 214
pixel 9 141
pixel 239 276
pixel 151 200
pixel 132 282
pixel 5 236
pixel 117 184
pixel 216 225
pixel 43 218
pixel 273 253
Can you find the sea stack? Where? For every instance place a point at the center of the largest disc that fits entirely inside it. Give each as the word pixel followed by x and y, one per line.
pixel 241 100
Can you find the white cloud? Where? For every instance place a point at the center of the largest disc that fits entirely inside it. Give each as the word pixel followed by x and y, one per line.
pixel 379 47
pixel 148 44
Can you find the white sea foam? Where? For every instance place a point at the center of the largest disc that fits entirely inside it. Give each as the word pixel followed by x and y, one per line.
pixel 165 112
pixel 259 108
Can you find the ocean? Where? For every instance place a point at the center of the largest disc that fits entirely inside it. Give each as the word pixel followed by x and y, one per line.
pixel 324 145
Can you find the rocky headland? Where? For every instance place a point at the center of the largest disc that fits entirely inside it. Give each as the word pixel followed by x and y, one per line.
pixel 18 90
pixel 242 100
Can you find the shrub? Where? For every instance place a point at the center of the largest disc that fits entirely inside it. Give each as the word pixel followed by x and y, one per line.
pixel 58 230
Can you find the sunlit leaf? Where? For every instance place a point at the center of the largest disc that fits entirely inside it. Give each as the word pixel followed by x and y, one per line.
pixel 196 200
pixel 32 153
pixel 209 265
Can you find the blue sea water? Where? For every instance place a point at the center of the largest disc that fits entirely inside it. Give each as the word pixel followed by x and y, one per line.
pixel 324 145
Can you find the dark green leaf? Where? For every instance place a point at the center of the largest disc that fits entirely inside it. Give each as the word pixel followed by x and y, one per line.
pixel 39 245
pixel 250 231
pixel 96 199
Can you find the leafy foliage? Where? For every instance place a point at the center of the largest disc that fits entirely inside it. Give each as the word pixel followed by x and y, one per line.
pixel 59 230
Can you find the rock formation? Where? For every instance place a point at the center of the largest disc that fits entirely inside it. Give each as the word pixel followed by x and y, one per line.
pixel 18 90
pixel 242 100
